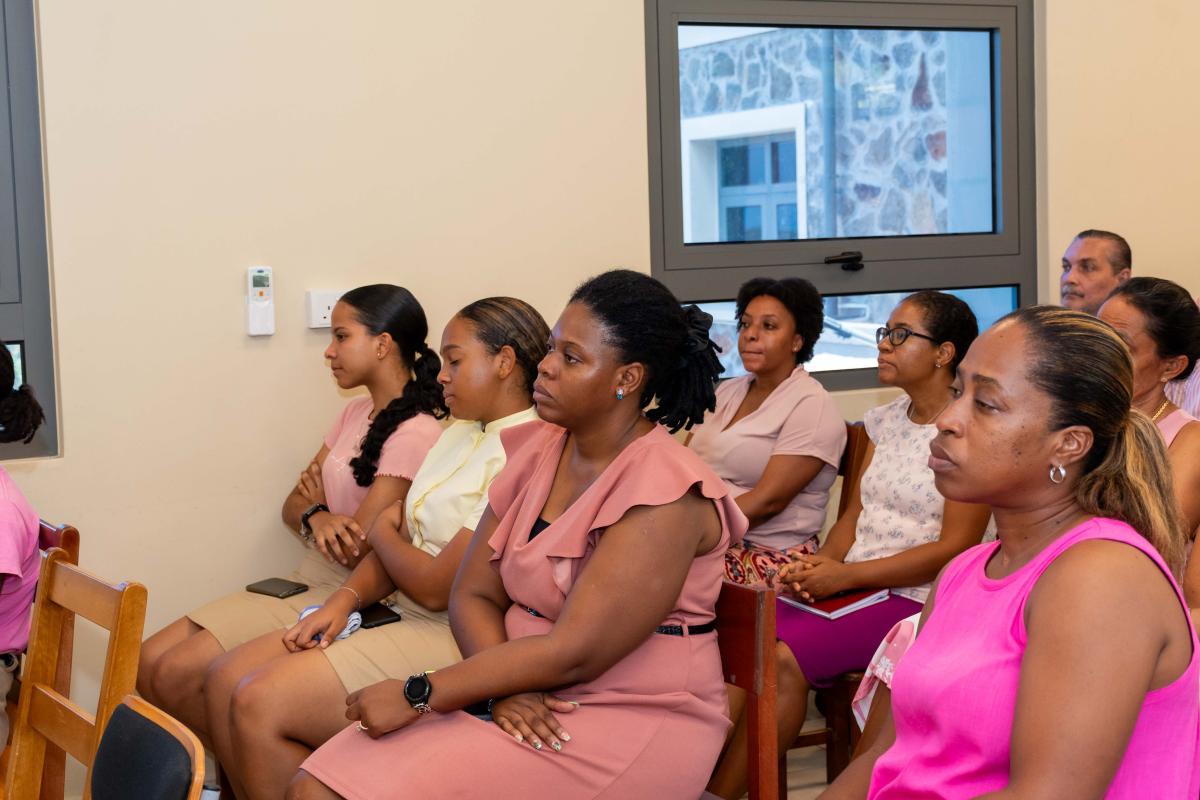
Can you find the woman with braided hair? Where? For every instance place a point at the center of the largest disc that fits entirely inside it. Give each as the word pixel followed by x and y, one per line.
pixel 593 575
pixel 490 351
pixel 365 464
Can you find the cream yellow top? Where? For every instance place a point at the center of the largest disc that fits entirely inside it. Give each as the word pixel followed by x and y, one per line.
pixel 449 491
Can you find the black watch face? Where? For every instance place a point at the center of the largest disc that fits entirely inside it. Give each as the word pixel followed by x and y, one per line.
pixel 416 688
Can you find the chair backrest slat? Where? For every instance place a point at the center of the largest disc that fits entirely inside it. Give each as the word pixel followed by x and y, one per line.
pixel 746 637
pixel 851 467
pixel 46 714
pixel 62 722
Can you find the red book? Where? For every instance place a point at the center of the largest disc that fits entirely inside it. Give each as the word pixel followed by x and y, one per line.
pixel 839 605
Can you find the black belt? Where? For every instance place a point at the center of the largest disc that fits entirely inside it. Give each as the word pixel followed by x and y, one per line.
pixel 669 630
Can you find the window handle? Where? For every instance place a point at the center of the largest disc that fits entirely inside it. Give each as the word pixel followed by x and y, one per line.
pixel 851 260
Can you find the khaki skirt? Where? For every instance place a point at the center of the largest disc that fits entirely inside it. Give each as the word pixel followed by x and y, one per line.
pixel 420 641
pixel 239 617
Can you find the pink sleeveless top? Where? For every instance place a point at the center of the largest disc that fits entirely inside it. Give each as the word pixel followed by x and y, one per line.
pixel 955 692
pixel 1170 425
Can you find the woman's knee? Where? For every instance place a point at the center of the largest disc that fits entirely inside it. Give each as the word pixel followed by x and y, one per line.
pixel 789 677
pixel 177 673
pixel 306 787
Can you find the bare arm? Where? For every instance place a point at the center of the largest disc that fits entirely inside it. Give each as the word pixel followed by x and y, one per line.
pixel 841 535
pixel 1092 654
pixel 478 601
pixel 423 577
pixel 783 478
pixel 962 527
pixel 855 780
pixel 296 503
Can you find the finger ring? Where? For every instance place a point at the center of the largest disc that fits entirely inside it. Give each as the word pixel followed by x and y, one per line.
pixel 361 727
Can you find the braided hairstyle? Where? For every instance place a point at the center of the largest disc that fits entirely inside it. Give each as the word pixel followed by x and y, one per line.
pixel 384 308
pixel 500 321
pixel 645 323
pixel 20 413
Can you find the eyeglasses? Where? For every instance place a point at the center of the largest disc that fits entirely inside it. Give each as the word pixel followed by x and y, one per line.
pixel 897 336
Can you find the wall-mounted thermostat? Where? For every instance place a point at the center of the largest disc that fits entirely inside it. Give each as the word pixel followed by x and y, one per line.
pixel 260 301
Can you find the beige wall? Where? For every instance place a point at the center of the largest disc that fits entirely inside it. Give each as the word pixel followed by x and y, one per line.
pixel 1119 120
pixel 462 149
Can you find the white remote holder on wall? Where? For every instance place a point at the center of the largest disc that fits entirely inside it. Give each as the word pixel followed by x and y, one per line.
pixel 260 301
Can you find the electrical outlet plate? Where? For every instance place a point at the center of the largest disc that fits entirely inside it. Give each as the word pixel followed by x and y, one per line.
pixel 318 306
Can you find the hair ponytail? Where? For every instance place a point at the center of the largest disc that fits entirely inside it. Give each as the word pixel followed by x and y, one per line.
pixel 384 308
pixel 20 414
pixel 1126 474
pixel 645 322
pixel 1133 483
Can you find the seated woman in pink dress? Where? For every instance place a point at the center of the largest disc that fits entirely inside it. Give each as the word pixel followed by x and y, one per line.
pixel 896 533
pixel 1059 661
pixel 776 436
pixel 593 575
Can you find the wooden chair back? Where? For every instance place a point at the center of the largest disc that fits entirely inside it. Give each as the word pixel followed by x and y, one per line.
pixel 148 754
pixel 54 771
pixel 47 716
pixel 851 467
pixel 746 636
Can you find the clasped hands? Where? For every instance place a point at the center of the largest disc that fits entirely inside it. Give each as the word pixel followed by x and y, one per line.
pixel 334 535
pixel 813 578
pixel 529 717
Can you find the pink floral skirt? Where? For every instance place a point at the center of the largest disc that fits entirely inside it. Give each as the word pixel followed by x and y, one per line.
pixel 755 565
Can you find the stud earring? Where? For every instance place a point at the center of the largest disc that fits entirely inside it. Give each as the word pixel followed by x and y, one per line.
pixel 937 365
pixel 1058 473
pixel 620 393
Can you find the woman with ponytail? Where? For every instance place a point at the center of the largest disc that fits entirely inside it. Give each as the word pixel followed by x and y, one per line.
pixel 274 700
pixel 364 466
pixel 1060 660
pixel 20 418
pixel 1160 323
pixel 584 605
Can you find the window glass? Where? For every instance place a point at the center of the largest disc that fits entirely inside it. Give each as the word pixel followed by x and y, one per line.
pixel 862 132
pixel 848 337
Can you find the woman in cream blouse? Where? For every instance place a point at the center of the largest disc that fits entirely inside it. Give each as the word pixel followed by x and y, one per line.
pixel 276 699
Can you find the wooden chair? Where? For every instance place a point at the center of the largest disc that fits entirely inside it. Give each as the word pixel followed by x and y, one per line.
pixel 746 636
pixel 840 733
pixel 47 716
pixel 54 772
pixel 147 754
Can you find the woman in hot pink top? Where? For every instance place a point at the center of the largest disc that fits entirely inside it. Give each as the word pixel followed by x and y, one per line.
pixel 1059 661
pixel 20 418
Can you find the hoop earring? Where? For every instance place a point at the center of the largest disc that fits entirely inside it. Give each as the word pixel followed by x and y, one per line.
pixel 1058 473
pixel 620 394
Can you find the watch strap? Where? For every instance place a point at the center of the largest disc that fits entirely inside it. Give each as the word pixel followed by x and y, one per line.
pixel 305 528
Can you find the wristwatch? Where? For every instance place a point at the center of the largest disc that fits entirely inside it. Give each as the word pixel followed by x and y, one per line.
pixel 305 531
pixel 417 690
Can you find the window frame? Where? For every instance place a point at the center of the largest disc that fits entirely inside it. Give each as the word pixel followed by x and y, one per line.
pixel 704 272
pixel 26 316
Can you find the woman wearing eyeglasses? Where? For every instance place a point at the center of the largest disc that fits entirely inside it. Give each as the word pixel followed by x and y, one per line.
pixel 897 532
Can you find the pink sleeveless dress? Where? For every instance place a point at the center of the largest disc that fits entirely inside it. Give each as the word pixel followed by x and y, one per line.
pixel 954 694
pixel 650 727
